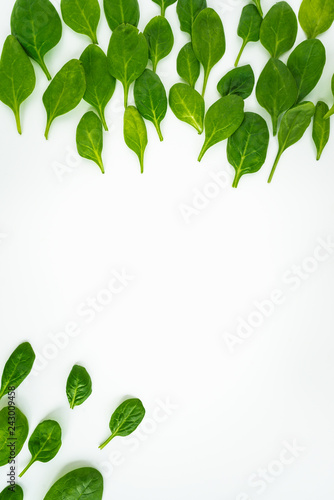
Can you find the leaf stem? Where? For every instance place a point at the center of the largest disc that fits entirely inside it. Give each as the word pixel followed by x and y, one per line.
pixel 163 9
pixel 47 129
pixel 244 43
pixel 157 126
pixel 103 119
pixel 259 8
pixel 202 153
pixel 329 113
pixel 107 441
pixel 236 180
pixel 26 468
pixel 206 77
pixel 101 166
pixel 142 162
pixel 279 154
pixel 44 68
pixel 126 95
pixel 18 121
pixel 275 122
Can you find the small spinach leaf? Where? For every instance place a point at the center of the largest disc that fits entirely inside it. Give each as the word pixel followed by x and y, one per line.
pixel 238 81
pixel 12 494
pixel 89 145
pixel 187 105
pixel 293 126
pixel 160 39
pixel 17 368
pixel 84 483
pixel 208 39
pixel 247 147
pixel 321 128
pixel 127 55
pixel 37 26
pixel 121 12
pixel 187 64
pixel 64 92
pixel 100 85
pixel 44 443
pixel 187 11
pixel 222 119
pixel 164 4
pixel 316 16
pixel 125 419
pixel 276 90
pixel 135 133
pixel 82 16
pixel 331 111
pixel 279 29
pixel 249 27
pixel 17 77
pixel 20 423
pixel 79 383
pixel 151 99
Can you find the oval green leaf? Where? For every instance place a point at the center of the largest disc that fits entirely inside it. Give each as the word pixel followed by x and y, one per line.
pixel 187 105
pixel 12 428
pixel 84 483
pixel 82 16
pixel 321 128
pixel 12 493
pixel 164 4
pixel 238 81
pixel 17 368
pixel 121 12
pixel 135 133
pixel 316 16
pixel 89 140
pixel 79 383
pixel 187 65
pixel 279 29
pixel 249 27
pixel 160 39
pixel 187 11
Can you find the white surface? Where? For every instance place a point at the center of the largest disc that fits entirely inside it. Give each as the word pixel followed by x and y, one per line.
pixel 162 338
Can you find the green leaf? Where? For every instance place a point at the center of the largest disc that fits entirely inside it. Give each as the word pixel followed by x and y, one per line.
pixel 187 105
pixel 316 16
pixel 125 419
pixel 121 12
pixel 187 65
pixel 276 90
pixel 44 443
pixel 64 92
pixel 321 128
pixel 238 81
pixel 247 147
pixel 187 11
pixel 127 55
pixel 164 4
pixel 17 77
pixel 249 27
pixel 279 29
pixel 89 139
pixel 12 428
pixel 222 119
pixel 306 64
pixel 331 111
pixel 37 26
pixel 151 99
pixel 85 483
pixel 79 383
pixel 17 368
pixel 82 16
pixel 293 126
pixel 208 39
pixel 160 39
pixel 135 133
pixel 100 85
pixel 258 6
pixel 12 494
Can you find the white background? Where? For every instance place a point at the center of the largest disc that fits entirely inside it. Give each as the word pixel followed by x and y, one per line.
pixel 65 228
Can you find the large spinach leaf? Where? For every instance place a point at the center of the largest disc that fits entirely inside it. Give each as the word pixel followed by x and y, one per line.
pixel 238 81
pixel 85 483
pixel 12 494
pixel 187 65
pixel 187 11
pixel 17 368
pixel 89 132
pixel 316 16
pixel 279 29
pixel 135 133
pixel 13 429
pixel 121 12
pixel 187 105
pixel 160 39
pixel 82 16
pixel 249 27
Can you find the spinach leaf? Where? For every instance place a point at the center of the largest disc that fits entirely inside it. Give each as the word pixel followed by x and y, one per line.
pixel 37 26
pixel 258 6
pixel 151 99
pixel 238 81
pixel 331 111
pixel 135 133
pixel 82 16
pixel 9 494
pixel 316 16
pixel 121 12
pixel 17 368
pixel 17 77
pixel 125 419
pixel 279 29
pixel 208 39
pixel 306 64
pixel 160 39
pixel 187 65
pixel 247 147
pixel 64 92
pixel 164 4
pixel 187 105
pixel 44 443
pixel 100 85
pixel 79 383
pixel 187 11
pixel 127 55
pixel 222 119
pixel 321 128
pixel 20 425
pixel 293 126
pixel 276 90
pixel 85 483
pixel 249 27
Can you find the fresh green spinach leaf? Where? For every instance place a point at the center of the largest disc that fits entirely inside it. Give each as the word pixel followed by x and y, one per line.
pixel 17 77
pixel 82 16
pixel 208 39
pixel 321 128
pixel 19 433
pixel 187 11
pixel 17 368
pixel 247 147
pixel 331 111
pixel 279 29
pixel 151 99
pixel 126 418
pixel 135 133
pixel 249 27
pixel 187 105
pixel 222 119
pixel 121 12
pixel 44 443
pixel 293 126
pixel 276 90
pixel 85 483
pixel 12 494
pixel 127 55
pixel 37 26
pixel 316 16
pixel 187 64
pixel 160 39
pixel 164 4
pixel 238 81
pixel 64 92
pixel 79 383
